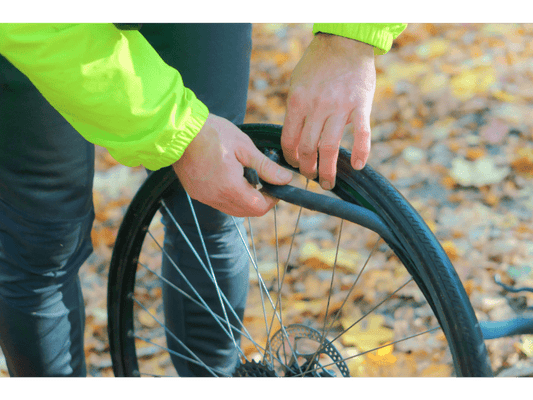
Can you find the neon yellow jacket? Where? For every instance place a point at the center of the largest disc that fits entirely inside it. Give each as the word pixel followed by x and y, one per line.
pixel 116 91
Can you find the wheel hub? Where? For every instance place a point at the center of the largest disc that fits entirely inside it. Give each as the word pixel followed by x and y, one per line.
pixel 279 349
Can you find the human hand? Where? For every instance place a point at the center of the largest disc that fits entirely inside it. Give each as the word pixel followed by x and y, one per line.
pixel 211 170
pixel 332 85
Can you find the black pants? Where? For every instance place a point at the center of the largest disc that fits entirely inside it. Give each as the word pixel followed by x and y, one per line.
pixel 46 212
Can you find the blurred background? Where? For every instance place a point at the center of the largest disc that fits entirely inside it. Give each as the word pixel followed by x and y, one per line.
pixel 452 129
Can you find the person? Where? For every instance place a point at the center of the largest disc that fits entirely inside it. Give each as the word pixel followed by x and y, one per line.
pixel 66 87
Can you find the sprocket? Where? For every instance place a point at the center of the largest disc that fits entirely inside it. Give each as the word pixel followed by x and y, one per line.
pixel 253 369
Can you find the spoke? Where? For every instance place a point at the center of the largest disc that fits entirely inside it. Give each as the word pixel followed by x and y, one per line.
pixel 324 333
pixel 252 238
pixel 292 241
pixel 279 301
pixel 210 268
pixel 207 308
pixel 173 336
pixel 182 356
pixel 294 234
pixel 211 276
pixel 287 263
pixel 332 276
pixel 224 316
pixel 254 264
pixel 377 348
pixel 260 291
pixel 353 286
pixel 245 333
pixel 373 309
pixel 262 283
pixel 179 355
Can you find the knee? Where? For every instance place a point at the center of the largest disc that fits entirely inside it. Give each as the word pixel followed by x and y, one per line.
pixel 39 254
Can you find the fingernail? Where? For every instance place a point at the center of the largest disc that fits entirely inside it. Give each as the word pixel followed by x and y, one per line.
pixel 358 164
pixel 283 174
pixel 326 185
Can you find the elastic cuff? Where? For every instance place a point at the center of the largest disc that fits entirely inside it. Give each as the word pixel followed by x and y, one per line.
pixel 377 35
pixel 169 146
pixel 189 124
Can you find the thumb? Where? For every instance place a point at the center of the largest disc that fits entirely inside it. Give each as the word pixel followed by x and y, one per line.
pixel 267 169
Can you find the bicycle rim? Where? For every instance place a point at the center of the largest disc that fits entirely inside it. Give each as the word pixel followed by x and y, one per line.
pixel 343 320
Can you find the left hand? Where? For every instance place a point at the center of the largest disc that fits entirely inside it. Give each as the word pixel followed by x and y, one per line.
pixel 332 85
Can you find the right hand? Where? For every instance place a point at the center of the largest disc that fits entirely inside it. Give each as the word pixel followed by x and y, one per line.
pixel 211 170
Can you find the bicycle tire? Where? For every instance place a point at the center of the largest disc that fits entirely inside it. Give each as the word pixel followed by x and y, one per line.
pixel 420 252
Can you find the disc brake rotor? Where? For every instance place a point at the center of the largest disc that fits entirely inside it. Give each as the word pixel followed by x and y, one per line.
pixel 279 349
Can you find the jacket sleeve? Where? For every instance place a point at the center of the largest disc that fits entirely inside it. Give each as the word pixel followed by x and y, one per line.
pixel 111 86
pixel 380 36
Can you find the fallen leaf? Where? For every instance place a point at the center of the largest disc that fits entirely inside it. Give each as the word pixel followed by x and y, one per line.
pixel 451 250
pixel 473 81
pixel 355 362
pixel 313 256
pixel 368 333
pixel 382 357
pixel 478 173
pixel 437 370
pixel 147 319
pixel 281 58
pixel 448 182
pixel 504 96
pixel 104 235
pixel 313 307
pixel 473 154
pixel 431 225
pixel 499 29
pixel 413 155
pixel 526 345
pixel 470 286
pixel 524 163
pixel 434 83
pixel 433 48
pixel 513 114
pixel 267 270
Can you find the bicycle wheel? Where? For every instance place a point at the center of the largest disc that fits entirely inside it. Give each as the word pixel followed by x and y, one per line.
pixel 333 299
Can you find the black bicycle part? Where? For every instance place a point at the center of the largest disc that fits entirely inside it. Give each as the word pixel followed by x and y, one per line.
pixel 420 252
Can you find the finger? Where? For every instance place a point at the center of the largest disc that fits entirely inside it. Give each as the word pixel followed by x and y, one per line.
pixel 308 147
pixel 328 150
pixel 243 201
pixel 249 156
pixel 250 202
pixel 361 144
pixel 292 128
pixel 271 201
pixel 236 197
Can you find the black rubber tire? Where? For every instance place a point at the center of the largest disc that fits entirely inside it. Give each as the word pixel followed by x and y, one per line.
pixel 421 254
